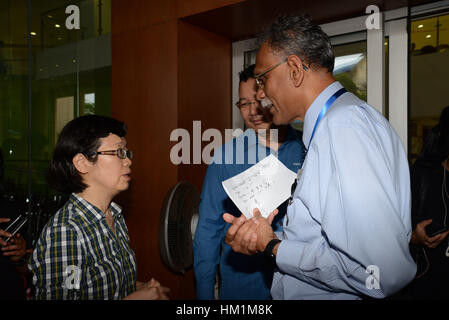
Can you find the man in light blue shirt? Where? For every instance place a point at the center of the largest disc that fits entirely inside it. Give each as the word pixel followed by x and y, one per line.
pixel 347 230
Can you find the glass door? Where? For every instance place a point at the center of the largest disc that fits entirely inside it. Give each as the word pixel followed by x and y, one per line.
pixel 429 69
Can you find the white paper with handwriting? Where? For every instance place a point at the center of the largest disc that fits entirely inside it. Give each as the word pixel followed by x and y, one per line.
pixel 265 186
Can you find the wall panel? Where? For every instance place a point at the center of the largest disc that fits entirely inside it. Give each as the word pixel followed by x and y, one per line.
pixel 204 92
pixel 165 74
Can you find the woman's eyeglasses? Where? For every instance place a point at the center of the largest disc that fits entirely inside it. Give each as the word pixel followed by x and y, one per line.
pixel 122 153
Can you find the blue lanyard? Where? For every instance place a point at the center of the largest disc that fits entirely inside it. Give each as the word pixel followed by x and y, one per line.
pixel 326 107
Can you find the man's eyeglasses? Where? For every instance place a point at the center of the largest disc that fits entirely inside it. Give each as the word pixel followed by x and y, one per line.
pixel 259 81
pixel 122 153
pixel 245 105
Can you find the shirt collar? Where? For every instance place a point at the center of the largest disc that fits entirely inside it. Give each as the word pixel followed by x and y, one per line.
pixel 92 211
pixel 315 108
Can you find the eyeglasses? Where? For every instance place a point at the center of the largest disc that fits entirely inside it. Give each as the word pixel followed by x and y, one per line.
pixel 122 153
pixel 245 105
pixel 259 81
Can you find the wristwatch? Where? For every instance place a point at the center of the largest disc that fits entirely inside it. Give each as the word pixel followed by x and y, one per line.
pixel 268 252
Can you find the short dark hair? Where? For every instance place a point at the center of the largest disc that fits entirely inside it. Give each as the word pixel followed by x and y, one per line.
pixel 247 73
pixel 300 36
pixel 81 135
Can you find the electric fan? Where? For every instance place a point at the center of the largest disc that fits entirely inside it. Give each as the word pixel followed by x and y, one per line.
pixel 177 225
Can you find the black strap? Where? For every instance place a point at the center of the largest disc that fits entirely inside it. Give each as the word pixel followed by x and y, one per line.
pixel 268 252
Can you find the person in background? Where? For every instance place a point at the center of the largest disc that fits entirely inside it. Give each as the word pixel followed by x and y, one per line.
pixel 83 252
pixel 241 277
pixel 12 286
pixel 430 221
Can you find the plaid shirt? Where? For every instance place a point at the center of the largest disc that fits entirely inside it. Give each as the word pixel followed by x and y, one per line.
pixel 78 244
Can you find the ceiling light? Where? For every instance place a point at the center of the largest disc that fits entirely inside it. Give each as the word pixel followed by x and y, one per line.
pixel 420 26
pixel 428 36
pixel 57 26
pixel 33 33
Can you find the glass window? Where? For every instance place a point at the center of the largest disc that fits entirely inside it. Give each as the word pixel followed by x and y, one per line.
pixel 350 67
pixel 68 72
pixel 49 74
pixel 14 96
pixel 250 58
pixel 429 67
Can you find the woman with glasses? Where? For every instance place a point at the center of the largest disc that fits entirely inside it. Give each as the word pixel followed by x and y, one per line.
pixel 83 252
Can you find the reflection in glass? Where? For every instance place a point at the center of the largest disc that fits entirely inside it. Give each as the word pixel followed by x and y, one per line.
pixel 69 73
pixel 429 69
pixel 14 92
pixel 70 76
pixel 249 58
pixel 350 67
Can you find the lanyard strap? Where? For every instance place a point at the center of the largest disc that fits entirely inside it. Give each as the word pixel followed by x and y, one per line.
pixel 326 107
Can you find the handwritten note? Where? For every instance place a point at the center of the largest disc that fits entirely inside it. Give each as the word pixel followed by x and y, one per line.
pixel 265 186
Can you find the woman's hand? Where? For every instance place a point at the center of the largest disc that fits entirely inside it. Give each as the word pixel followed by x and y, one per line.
pixel 151 290
pixel 419 235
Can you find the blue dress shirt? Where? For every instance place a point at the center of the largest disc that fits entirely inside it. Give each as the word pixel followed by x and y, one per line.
pixel 351 209
pixel 242 276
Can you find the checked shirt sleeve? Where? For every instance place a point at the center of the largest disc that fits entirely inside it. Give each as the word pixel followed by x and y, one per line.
pixel 56 262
